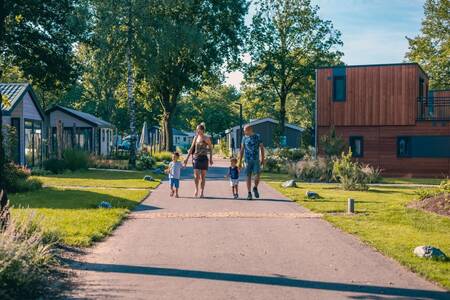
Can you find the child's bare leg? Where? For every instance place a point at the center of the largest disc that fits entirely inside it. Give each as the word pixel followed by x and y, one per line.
pixel 171 191
pixel 176 193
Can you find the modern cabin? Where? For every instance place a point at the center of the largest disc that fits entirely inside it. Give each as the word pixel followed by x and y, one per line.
pixel 79 130
pixel 24 113
pixel 388 116
pixel 266 128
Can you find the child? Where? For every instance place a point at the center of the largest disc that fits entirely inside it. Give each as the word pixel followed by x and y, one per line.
pixel 174 174
pixel 251 147
pixel 233 174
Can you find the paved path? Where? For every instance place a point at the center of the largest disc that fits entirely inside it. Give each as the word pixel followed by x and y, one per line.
pixel 220 248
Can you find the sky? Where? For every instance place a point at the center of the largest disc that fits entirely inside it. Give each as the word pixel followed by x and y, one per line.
pixel 373 31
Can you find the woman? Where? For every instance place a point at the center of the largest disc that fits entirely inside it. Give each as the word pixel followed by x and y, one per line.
pixel 200 149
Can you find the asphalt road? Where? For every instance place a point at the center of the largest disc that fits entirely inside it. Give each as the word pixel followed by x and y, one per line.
pixel 220 248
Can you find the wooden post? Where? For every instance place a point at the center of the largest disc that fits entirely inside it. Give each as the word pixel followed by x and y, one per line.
pixel 59 138
pixel 351 206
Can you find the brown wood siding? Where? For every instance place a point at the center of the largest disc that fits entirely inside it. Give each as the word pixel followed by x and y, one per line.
pixel 380 148
pixel 376 96
pixel 441 93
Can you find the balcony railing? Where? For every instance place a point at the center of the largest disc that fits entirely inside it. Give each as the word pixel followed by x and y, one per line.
pixel 433 108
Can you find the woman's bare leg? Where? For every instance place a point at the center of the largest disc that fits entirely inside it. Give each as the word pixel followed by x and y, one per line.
pixel 196 180
pixel 203 182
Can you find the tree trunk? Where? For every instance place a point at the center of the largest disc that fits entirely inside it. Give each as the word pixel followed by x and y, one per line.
pixel 130 88
pixel 167 131
pixel 282 117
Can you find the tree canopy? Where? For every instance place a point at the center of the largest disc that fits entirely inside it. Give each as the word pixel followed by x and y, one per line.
pixel 287 41
pixel 431 48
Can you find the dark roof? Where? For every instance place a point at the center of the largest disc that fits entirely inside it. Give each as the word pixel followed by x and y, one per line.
pixel 15 93
pixel 178 132
pixel 374 65
pixel 88 118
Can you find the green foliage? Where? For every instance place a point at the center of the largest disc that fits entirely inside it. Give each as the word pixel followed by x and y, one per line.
pixel 287 41
pixel 145 161
pixel 350 173
pixel 76 159
pixel 162 156
pixel 313 170
pixel 426 193
pixel 55 165
pixel 213 105
pixel 17 179
pixel 223 148
pixel 431 48
pixel 102 163
pixel 272 164
pixel 332 144
pixel 11 143
pixel 182 150
pixel 27 264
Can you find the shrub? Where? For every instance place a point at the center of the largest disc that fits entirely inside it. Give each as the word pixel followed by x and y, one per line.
pixel 27 264
pixel 373 174
pixel 426 193
pixel 101 163
pixel 39 172
pixel 145 162
pixel 350 173
pixel 312 170
pixel 290 155
pixel 55 165
pixel 332 144
pixel 162 156
pixel 17 179
pixel 182 150
pixel 10 143
pixel 76 159
pixel 272 165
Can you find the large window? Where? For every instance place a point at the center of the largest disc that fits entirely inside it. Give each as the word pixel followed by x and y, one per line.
pixel 423 146
pixel 404 146
pixel 339 88
pixel 357 146
pixel 33 142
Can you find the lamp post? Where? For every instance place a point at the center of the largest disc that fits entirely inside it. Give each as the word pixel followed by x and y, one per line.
pixel 240 122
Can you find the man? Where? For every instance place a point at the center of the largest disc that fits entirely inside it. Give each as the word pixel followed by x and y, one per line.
pixel 251 147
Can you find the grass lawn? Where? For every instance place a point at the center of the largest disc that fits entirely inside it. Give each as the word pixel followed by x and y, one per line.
pixel 382 221
pixel 98 178
pixel 72 213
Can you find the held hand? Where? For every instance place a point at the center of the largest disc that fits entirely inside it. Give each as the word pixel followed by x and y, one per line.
pixel 185 162
pixel 263 162
pixel 211 162
pixel 240 165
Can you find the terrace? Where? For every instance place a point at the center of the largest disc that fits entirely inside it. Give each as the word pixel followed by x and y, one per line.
pixel 433 108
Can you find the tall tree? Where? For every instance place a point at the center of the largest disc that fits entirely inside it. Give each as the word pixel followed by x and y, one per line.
pixel 130 84
pixel 185 43
pixel 39 37
pixel 114 35
pixel 287 41
pixel 431 48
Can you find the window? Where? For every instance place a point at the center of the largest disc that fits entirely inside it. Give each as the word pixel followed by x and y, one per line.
pixel 357 146
pixel 403 146
pixel 339 88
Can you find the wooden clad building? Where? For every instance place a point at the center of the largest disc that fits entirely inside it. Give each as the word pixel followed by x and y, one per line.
pixel 388 117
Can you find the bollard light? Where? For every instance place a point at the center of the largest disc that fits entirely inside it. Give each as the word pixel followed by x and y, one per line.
pixel 351 206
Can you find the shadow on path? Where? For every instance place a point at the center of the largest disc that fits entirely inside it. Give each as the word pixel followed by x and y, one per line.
pixel 260 279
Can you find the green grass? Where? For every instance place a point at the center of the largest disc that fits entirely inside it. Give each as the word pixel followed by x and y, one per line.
pixel 382 221
pixel 99 178
pixel 436 181
pixel 72 213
